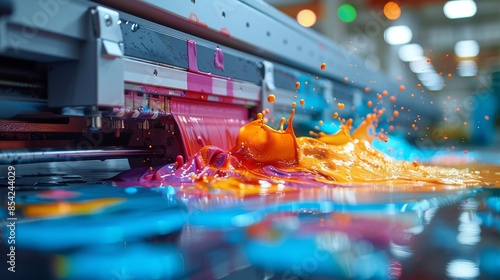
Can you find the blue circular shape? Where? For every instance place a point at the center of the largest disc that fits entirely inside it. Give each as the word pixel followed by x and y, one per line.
pixel 131 190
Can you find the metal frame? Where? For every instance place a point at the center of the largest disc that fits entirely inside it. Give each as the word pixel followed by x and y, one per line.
pixel 257 28
pixel 253 28
pixel 96 50
pixel 141 73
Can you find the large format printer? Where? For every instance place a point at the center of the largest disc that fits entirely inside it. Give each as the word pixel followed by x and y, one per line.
pixel 89 89
pixel 150 80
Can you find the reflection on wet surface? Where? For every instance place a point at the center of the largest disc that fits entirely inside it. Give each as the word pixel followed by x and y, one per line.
pixel 87 229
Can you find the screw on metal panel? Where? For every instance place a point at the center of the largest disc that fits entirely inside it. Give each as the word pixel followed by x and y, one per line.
pixel 107 20
pixel 95 123
pixel 95 118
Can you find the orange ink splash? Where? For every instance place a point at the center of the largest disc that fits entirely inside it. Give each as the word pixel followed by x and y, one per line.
pixel 269 161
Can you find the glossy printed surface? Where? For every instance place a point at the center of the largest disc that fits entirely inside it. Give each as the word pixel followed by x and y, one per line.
pixel 83 229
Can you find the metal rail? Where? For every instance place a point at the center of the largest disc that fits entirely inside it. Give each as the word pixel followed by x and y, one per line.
pixel 49 155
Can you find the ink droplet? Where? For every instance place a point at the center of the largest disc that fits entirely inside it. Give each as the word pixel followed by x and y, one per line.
pixel 271 98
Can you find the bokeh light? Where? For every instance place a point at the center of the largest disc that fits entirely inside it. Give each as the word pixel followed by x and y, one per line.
pixel 467 68
pixel 467 48
pixel 392 10
pixel 462 269
pixel 398 35
pixel 410 52
pixel 459 9
pixel 306 18
pixel 346 13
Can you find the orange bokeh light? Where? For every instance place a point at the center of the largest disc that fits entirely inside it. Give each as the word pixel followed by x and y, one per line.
pixel 392 10
pixel 306 18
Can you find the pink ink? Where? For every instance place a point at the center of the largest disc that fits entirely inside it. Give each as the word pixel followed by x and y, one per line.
pixel 202 124
pixel 153 89
pixel 179 161
pixel 225 32
pixel 219 59
pixel 194 18
pixel 230 88
pixel 192 56
pixel 57 194
pixel 199 83
pixel 196 81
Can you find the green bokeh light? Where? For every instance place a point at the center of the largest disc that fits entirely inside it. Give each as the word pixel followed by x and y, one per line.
pixel 346 13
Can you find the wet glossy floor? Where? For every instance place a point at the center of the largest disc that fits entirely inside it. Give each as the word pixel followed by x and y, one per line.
pixel 71 225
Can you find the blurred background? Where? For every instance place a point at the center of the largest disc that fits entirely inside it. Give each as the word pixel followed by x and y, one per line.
pixel 447 50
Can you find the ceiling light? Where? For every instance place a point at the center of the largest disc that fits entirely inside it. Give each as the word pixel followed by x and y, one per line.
pixel 427 77
pixel 462 268
pixel 435 87
pixel 421 65
pixel 392 10
pixel 410 52
pixel 467 48
pixel 467 68
pixel 306 18
pixel 459 9
pixel 398 35
pixel 432 80
pixel 435 84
